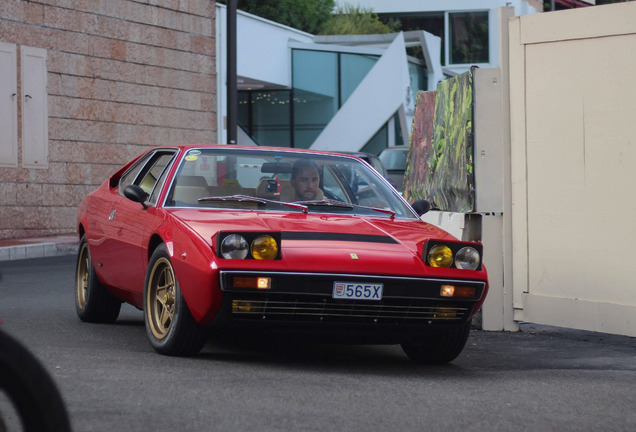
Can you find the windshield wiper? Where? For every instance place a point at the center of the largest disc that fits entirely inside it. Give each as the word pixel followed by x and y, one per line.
pixel 341 204
pixel 327 202
pixel 247 198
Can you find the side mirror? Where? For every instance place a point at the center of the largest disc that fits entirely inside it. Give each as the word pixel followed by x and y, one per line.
pixel 421 207
pixel 137 194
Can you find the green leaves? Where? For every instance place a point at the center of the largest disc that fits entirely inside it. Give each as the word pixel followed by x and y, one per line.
pixel 352 20
pixel 306 15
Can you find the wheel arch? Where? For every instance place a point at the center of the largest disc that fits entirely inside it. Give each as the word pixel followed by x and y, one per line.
pixel 161 235
pixel 154 242
pixel 191 259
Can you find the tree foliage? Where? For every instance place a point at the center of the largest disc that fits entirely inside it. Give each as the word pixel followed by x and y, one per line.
pixel 353 20
pixel 306 15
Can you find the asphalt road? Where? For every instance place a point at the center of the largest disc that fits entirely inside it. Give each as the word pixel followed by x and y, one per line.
pixel 540 379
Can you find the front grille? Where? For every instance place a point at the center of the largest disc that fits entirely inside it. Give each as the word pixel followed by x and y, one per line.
pixel 310 309
pixel 307 298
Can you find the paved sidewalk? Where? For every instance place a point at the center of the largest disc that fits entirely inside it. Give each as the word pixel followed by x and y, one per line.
pixel 16 249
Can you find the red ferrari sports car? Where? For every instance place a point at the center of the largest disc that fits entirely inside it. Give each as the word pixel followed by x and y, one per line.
pixel 308 244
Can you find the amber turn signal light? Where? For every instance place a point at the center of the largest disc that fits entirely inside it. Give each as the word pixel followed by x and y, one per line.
pixel 457 291
pixel 252 282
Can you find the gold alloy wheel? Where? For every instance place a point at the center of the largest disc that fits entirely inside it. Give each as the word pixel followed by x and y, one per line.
pixel 160 298
pixel 83 270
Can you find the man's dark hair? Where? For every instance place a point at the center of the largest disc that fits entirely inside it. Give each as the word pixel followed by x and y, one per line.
pixel 302 164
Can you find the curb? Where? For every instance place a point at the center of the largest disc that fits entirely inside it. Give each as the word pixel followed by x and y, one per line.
pixel 39 248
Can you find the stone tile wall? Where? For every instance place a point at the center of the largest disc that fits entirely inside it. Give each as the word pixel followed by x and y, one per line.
pixel 122 75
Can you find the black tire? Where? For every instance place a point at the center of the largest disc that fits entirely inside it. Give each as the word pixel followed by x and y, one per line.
pixel 31 389
pixel 93 302
pixel 438 348
pixel 170 326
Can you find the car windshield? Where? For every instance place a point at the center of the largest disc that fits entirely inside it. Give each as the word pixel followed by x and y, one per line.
pixel 394 158
pixel 269 179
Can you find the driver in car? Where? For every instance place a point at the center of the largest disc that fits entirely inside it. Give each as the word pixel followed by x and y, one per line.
pixel 306 181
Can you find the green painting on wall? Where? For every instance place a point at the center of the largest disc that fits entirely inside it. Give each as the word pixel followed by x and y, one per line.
pixel 442 170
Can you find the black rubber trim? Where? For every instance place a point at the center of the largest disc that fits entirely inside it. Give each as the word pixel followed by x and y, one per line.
pixel 328 236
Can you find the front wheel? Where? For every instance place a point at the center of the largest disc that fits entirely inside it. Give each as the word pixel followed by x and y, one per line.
pixel 169 324
pixel 93 302
pixel 30 389
pixel 439 348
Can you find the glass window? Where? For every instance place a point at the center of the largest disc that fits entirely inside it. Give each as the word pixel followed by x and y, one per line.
pixel 153 171
pixel 269 179
pixel 417 78
pixel 129 177
pixel 469 37
pixel 353 69
pixel 394 158
pixel 315 82
pixel 166 159
pixel 270 118
pixel 430 22
pixel 379 141
pixel 243 110
pixel 147 173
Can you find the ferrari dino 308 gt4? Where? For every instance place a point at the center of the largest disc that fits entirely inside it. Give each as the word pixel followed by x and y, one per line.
pixel 233 239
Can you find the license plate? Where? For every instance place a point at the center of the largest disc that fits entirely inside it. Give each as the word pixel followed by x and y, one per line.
pixel 357 291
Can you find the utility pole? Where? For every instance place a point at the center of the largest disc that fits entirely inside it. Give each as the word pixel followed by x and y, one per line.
pixel 232 94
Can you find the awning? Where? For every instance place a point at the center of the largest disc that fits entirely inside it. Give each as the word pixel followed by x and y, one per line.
pixel 571 4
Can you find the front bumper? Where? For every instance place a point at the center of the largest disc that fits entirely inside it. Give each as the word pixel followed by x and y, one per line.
pixel 303 303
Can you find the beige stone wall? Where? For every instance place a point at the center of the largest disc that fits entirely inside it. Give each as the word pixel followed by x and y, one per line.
pixel 122 75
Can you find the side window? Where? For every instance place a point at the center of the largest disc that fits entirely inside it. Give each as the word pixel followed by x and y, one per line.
pixel 130 176
pixel 156 167
pixel 149 172
pixel 162 178
pixel 333 186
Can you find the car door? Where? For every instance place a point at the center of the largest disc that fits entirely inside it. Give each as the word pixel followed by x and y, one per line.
pixel 128 223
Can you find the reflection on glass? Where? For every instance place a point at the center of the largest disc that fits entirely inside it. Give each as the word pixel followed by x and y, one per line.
pixel 315 82
pixel 469 37
pixel 353 69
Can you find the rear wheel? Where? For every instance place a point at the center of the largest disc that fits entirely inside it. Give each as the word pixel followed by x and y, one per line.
pixel 169 324
pixel 93 302
pixel 439 348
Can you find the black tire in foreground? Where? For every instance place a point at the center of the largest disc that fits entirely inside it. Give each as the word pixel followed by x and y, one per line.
pixel 169 324
pixel 93 302
pixel 30 389
pixel 439 348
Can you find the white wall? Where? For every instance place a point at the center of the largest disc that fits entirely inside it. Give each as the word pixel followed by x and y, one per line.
pixel 264 49
pixel 263 54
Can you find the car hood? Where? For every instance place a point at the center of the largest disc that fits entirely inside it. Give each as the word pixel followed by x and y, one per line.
pixel 326 243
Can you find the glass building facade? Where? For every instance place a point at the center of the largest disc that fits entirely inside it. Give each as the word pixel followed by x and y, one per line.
pixel 322 81
pixel 467 32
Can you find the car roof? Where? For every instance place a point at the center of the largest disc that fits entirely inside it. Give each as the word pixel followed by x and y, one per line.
pixel 186 147
pixel 396 148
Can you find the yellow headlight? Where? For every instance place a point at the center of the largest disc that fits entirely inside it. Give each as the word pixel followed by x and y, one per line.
pixel 264 247
pixel 440 256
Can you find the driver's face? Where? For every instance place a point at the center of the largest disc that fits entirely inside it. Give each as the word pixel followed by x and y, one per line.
pixel 306 184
